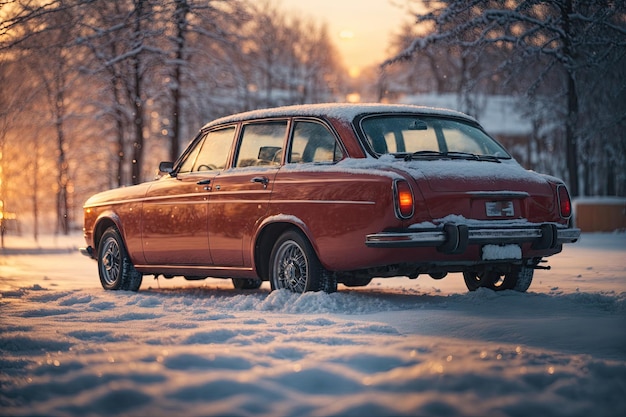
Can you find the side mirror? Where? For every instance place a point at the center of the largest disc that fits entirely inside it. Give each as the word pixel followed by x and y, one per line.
pixel 166 167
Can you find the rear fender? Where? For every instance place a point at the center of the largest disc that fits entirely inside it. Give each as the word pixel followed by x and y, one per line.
pixel 268 232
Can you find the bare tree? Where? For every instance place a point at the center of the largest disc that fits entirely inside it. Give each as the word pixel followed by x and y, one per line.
pixel 106 84
pixel 181 11
pixel 104 34
pixel 201 29
pixel 12 103
pixel 47 32
pixel 290 60
pixel 54 77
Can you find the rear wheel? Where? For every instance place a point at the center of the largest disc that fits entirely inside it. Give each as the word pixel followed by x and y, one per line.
pixel 474 280
pixel 114 266
pixel 294 266
pixel 524 278
pixel 518 280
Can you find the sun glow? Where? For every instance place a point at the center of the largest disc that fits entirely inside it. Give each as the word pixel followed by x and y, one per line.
pixel 353 98
pixel 346 34
pixel 354 72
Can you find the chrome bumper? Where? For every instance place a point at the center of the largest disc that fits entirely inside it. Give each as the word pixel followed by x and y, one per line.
pixel 454 238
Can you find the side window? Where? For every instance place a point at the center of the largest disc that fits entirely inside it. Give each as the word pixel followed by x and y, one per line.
pixel 313 142
pixel 261 144
pixel 215 149
pixel 187 164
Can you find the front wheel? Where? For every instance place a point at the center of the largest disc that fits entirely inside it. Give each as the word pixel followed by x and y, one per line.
pixel 518 280
pixel 294 266
pixel 114 266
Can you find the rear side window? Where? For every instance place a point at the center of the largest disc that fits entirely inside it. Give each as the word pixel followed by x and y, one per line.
pixel 261 144
pixel 313 142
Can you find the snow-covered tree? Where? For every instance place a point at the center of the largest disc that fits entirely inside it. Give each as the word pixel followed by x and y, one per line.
pixel 557 48
pixel 40 36
pixel 98 91
pixel 287 59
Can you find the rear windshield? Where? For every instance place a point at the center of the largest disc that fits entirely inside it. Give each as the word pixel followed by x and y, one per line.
pixel 407 134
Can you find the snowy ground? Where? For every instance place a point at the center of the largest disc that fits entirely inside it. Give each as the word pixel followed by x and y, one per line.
pixel 396 347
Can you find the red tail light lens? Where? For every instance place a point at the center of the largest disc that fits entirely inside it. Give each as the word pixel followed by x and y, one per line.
pixel 565 203
pixel 403 199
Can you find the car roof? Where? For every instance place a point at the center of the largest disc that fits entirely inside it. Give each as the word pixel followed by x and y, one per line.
pixel 341 111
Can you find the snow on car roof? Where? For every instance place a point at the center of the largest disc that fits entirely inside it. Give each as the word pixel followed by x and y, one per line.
pixel 342 111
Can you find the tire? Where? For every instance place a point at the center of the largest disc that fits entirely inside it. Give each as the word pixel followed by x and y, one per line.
pixel 524 279
pixel 247 283
pixel 114 266
pixel 474 281
pixel 294 266
pixel 517 280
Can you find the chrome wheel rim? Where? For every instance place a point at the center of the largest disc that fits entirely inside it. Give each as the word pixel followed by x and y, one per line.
pixel 110 263
pixel 488 280
pixel 291 267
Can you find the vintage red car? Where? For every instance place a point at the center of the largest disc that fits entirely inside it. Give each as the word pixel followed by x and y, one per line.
pixel 310 196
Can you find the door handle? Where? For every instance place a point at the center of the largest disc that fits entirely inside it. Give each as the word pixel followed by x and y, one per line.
pixel 206 183
pixel 262 180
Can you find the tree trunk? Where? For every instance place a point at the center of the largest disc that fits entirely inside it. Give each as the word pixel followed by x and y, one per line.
pixel 610 181
pixel 180 16
pixel 62 165
pixel 570 137
pixel 35 188
pixel 119 124
pixel 572 104
pixel 2 194
pixel 137 160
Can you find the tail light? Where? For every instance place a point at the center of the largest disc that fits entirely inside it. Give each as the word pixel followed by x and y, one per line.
pixel 565 203
pixel 403 199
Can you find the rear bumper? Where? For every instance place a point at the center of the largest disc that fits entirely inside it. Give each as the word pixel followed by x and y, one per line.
pixel 454 238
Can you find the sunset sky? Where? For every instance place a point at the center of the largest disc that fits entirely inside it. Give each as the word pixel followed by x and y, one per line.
pixel 361 29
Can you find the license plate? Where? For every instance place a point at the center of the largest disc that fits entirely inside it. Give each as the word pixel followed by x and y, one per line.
pixel 500 208
pixel 501 252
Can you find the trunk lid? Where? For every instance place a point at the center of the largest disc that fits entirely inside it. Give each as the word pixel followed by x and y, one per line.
pixel 480 189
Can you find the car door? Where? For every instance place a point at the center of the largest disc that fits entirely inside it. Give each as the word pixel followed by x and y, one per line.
pixel 175 213
pixel 241 194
